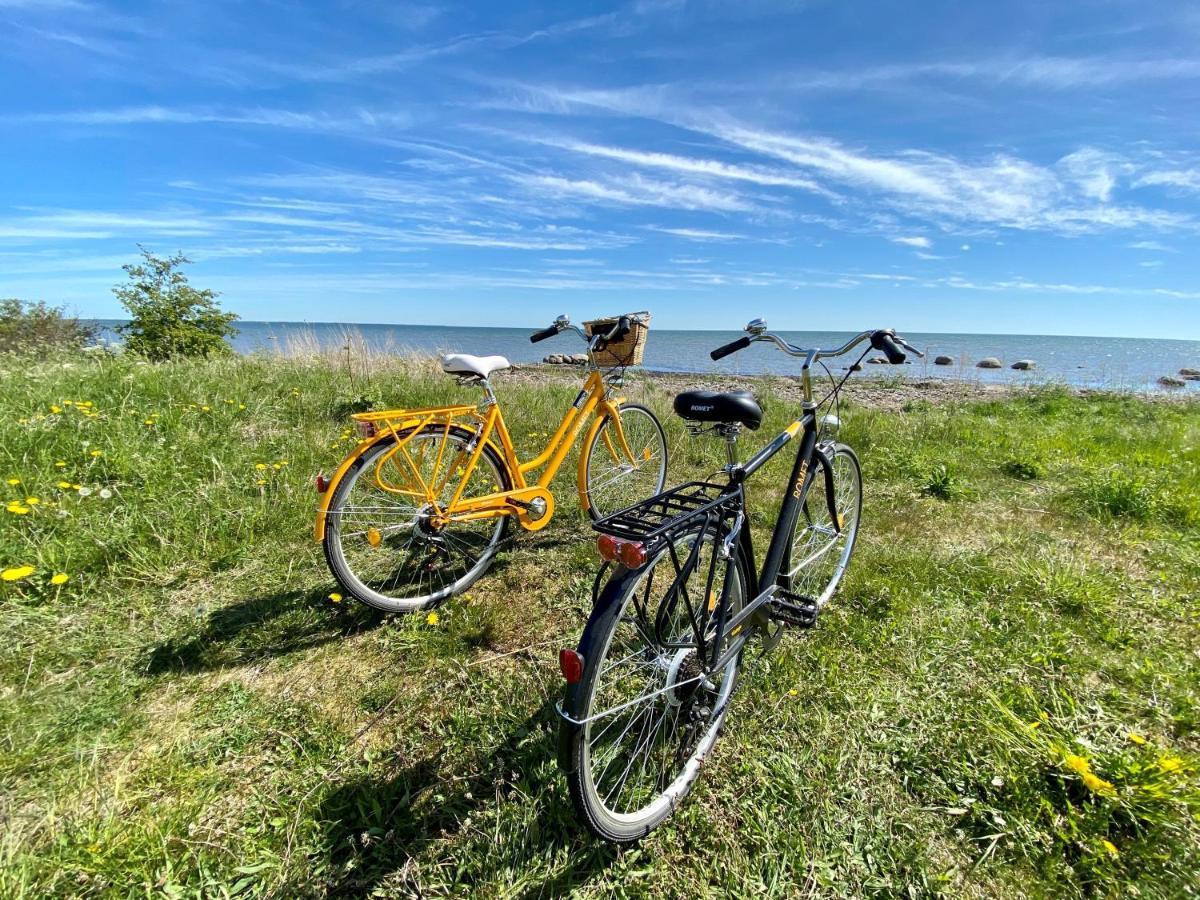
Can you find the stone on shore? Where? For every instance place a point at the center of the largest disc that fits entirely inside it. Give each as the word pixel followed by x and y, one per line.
pixel 989 362
pixel 578 359
pixel 1190 374
pixel 554 359
pixel 943 360
pixel 878 361
pixel 1024 365
pixel 1170 381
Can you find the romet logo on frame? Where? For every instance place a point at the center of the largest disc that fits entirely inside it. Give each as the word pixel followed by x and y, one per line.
pixel 701 408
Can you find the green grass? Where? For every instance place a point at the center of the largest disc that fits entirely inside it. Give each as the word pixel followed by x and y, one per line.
pixel 191 715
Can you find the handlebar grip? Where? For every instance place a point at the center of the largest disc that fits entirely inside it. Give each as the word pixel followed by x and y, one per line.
pixel 543 334
pixel 732 347
pixel 881 340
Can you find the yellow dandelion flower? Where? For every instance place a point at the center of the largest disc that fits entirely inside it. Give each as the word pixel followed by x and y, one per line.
pixel 336 598
pixel 1110 848
pixel 1098 785
pixel 14 481
pixel 96 453
pixel 260 466
pixel 32 501
pixel 60 578
pixel 432 618
pixel 17 573
pixel 276 466
pixel 61 464
pixel 64 485
pixel 261 481
pixel 206 409
pixel 793 693
pixel 1136 738
pixel 55 410
pixel 68 403
pixel 283 462
pixel 1078 764
pixel 241 406
pixel 17 508
pixel 1170 763
pixel 148 422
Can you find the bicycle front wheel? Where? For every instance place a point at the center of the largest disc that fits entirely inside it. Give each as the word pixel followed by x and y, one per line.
pixel 387 547
pixel 618 474
pixel 821 551
pixel 646 714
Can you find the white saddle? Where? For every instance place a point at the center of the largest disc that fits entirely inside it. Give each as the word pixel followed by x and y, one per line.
pixel 466 364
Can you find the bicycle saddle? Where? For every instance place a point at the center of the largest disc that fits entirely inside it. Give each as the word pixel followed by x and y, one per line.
pixel 709 406
pixel 466 364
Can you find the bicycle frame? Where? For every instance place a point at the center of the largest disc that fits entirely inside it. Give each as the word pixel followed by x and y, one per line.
pixel 762 584
pixel 489 427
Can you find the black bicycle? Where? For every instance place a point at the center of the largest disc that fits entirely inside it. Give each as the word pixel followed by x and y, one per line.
pixel 650 683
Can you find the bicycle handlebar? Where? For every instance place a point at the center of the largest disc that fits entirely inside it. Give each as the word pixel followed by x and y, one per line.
pixel 543 334
pixel 732 347
pixel 884 339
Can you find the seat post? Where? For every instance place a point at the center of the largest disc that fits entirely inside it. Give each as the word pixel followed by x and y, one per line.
pixel 489 394
pixel 730 432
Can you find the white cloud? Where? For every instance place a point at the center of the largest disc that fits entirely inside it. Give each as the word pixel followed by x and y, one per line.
pixel 636 190
pixel 691 166
pixel 361 120
pixel 698 234
pixel 916 241
pixel 1182 179
pixel 1151 245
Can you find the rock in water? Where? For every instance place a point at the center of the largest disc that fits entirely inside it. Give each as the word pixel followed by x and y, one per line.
pixel 943 360
pixel 1190 374
pixel 989 362
pixel 1024 365
pixel 1170 381
pixel 878 360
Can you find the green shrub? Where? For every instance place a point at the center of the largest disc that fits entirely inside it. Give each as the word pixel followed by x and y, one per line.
pixel 168 317
pixel 27 327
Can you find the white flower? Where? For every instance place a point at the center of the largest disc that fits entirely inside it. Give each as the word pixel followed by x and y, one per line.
pixel 105 493
pixel 85 491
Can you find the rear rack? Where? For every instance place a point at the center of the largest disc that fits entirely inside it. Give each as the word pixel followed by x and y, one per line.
pixel 656 516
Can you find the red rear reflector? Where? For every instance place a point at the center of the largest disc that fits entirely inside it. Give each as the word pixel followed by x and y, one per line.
pixel 366 430
pixel 632 554
pixel 322 484
pixel 607 545
pixel 571 664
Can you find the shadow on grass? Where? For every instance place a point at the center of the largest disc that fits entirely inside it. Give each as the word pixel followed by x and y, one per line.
pixel 260 627
pixel 375 829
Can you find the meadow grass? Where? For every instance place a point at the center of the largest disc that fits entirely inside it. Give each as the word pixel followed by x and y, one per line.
pixel 1003 701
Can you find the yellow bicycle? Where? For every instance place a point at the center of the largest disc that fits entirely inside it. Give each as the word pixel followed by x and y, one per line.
pixel 418 510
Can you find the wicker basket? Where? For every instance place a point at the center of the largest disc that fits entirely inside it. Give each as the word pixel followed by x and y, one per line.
pixel 628 351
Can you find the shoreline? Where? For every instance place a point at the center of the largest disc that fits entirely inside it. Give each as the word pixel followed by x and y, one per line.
pixel 881 391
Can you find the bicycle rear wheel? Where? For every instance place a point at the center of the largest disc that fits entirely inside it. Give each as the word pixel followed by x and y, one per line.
pixel 387 549
pixel 649 713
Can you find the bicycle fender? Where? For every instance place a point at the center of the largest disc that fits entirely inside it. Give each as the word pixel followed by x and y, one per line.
pixel 331 486
pixel 830 499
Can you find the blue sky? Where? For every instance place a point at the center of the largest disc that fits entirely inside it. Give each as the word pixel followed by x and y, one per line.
pixel 937 166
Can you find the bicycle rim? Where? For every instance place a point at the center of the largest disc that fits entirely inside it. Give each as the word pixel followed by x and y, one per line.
pixel 635 765
pixel 613 481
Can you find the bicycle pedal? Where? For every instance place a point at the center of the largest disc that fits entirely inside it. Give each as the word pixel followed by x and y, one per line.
pixel 794 609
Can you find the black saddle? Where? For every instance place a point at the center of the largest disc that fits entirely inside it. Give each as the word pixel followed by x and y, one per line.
pixel 709 406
